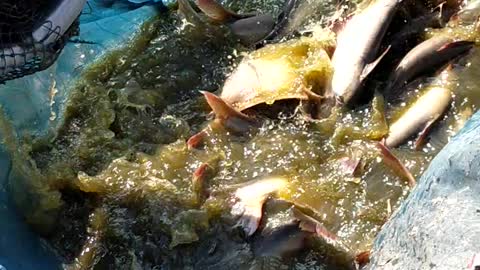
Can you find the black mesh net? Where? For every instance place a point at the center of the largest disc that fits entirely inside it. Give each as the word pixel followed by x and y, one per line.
pixel 20 54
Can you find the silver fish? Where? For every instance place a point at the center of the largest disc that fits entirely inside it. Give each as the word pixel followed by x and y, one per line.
pixel 357 48
pixel 424 112
pixel 428 55
pixel 248 28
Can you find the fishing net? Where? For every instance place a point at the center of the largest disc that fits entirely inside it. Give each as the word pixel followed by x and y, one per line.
pixel 20 53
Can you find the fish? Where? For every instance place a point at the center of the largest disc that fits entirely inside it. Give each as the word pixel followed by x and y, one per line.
pixel 423 113
pixel 336 251
pixel 356 54
pixel 292 70
pixel 226 116
pixel 229 117
pixel 216 12
pixel 250 200
pixel 362 258
pixel 249 29
pixel 253 30
pixel 281 241
pixel 280 29
pixel 429 55
pixel 395 164
pixel 311 225
pixel 442 210
pixel 414 27
pixel 288 228
pixel 279 234
pixel 281 71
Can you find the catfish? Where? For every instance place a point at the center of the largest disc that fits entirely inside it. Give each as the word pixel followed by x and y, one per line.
pixel 357 49
pixel 429 55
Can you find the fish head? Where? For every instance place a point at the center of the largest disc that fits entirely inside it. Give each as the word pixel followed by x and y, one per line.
pixel 249 29
pixel 253 29
pixel 283 71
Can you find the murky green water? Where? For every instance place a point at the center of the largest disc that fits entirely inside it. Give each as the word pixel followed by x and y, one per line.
pixel 116 188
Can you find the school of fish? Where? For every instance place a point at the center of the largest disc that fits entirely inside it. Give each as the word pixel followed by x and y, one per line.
pixel 333 68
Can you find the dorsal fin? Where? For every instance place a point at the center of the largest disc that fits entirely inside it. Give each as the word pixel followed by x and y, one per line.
pixel 227 115
pixel 220 108
pixel 422 137
pixel 462 44
pixel 196 140
pixel 369 67
pixel 216 11
pixel 190 14
pixel 311 225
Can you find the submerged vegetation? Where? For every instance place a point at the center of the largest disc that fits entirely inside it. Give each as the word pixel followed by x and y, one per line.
pixel 118 187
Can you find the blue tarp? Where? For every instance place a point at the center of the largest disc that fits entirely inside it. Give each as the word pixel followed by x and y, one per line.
pixel 438 224
pixel 27 101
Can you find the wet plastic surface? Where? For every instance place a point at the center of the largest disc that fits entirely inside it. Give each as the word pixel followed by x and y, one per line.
pixel 438 226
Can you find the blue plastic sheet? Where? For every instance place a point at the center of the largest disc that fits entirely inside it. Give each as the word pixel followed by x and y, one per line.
pixel 35 104
pixel 438 225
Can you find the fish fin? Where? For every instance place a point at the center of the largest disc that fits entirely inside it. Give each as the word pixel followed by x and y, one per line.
pixel 311 225
pixel 280 23
pixel 362 258
pixel 462 44
pixel 420 141
pixel 445 72
pixel 449 67
pixel 350 166
pixel 249 212
pixel 250 220
pixel 211 115
pixel 199 182
pixel 187 11
pixel 439 7
pixel 200 172
pixel 383 140
pixel 371 66
pixel 250 200
pixel 228 116
pixel 216 11
pixel 196 140
pixel 395 164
